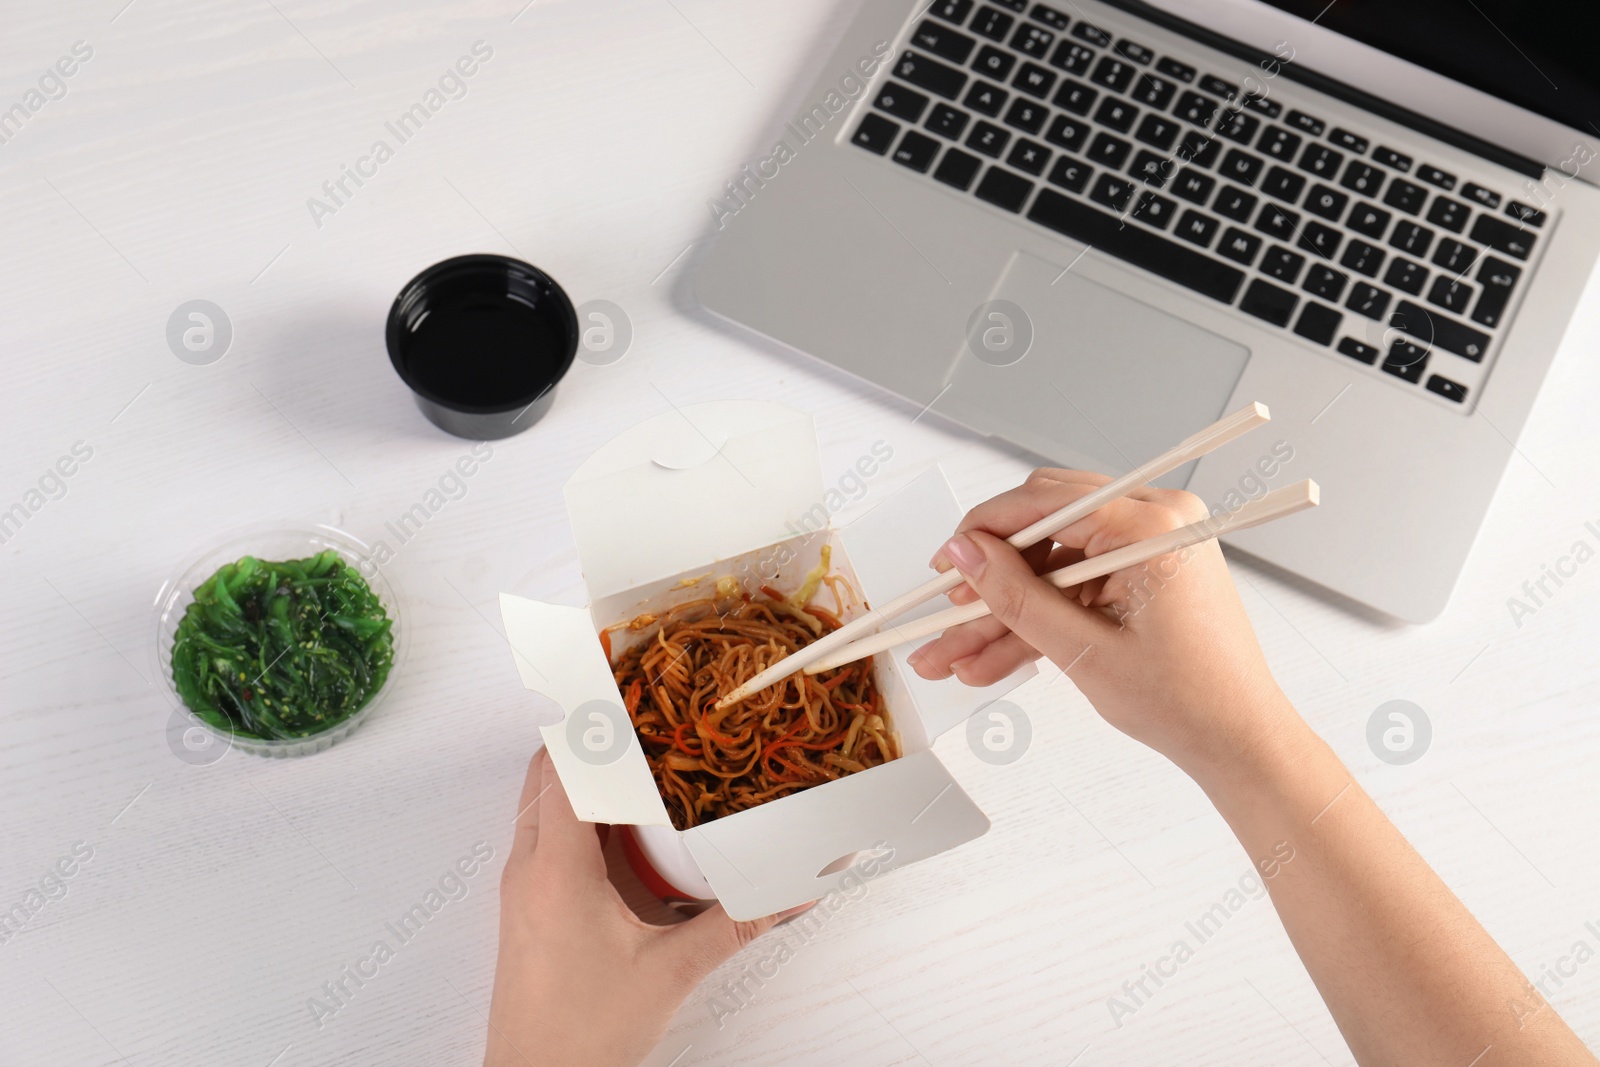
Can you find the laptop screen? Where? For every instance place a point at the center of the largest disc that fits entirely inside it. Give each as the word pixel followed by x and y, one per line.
pixel 1535 55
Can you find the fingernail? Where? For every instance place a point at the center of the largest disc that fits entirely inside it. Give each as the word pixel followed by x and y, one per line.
pixel 961 664
pixel 965 554
pixel 915 659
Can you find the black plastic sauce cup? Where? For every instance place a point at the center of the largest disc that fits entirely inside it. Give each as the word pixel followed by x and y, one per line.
pixel 482 341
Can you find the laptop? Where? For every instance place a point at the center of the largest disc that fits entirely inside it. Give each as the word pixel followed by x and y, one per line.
pixel 1090 228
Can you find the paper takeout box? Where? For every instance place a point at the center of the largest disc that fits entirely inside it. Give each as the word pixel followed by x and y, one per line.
pixel 734 489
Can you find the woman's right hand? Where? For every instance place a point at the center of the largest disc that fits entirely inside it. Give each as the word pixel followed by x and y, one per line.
pixel 1163 650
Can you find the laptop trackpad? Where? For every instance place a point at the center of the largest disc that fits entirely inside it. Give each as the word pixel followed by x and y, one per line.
pixel 1083 375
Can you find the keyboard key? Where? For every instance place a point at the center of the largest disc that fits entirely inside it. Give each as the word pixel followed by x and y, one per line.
pixel 1283 184
pixel 1217 87
pixel 1241 166
pixel 1446 388
pixel 1196 187
pixel 1362 258
pixel 1276 222
pixel 1152 169
pixel 1325 282
pixel 876 133
pixel 1406 275
pixel 943 42
pixel 1153 92
pixel 1029 156
pixel 1455 257
pixel 1155 130
pixel 1261 105
pixel 1405 196
pixel 1093 34
pixel 1327 203
pixel 1449 214
pixel 1049 16
pixel 1239 127
pixel 902 103
pixel 986 98
pixel 1113 73
pixel 989 139
pixel 916 150
pixel 993 63
pixel 1282 264
pixel 1003 189
pixel 1034 80
pixel 1392 159
pixel 1018 6
pixel 1434 176
pixel 1406 360
pixel 1138 53
pixel 1234 203
pixel 1173 69
pixel 1072 57
pixel 955 11
pixel 1266 301
pixel 1321 160
pixel 1239 246
pixel 946 121
pixel 930 74
pixel 1369 221
pixel 1033 41
pixel 1409 237
pixel 1484 197
pixel 1279 143
pixel 1363 178
pixel 1026 115
pixel 1140 247
pixel 1199 148
pixel 992 23
pixel 1109 151
pixel 1306 124
pixel 957 168
pixel 1369 301
pixel 1112 191
pixel 1197 228
pixel 1076 97
pixel 1345 139
pixel 1318 323
pixel 1502 236
pixel 1070 174
pixel 1200 110
pixel 1498 278
pixel 1445 333
pixel 1116 114
pixel 1525 213
pixel 1356 350
pixel 1155 210
pixel 1450 294
pixel 1068 133
pixel 1321 240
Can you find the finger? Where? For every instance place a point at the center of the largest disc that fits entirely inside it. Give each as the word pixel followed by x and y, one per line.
pixel 1045 491
pixel 695 948
pixel 934 659
pixel 526 837
pixel 998 659
pixel 1029 606
pixel 571 846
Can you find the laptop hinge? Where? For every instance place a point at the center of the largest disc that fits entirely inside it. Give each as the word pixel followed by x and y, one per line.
pixel 1335 88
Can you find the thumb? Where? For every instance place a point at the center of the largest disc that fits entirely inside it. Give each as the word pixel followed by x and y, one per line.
pixel 1029 606
pixel 696 948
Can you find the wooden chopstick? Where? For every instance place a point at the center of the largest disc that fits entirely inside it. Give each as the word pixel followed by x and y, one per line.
pixel 1193 447
pixel 1280 502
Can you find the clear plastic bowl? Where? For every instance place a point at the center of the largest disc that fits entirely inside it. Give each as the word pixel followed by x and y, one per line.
pixel 275 542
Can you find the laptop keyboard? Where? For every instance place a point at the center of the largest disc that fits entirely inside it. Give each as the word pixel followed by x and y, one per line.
pixel 1309 227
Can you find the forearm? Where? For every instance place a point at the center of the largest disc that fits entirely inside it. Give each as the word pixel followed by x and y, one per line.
pixel 1408 974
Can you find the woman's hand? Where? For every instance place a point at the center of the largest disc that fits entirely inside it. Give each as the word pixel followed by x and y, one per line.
pixel 1163 650
pixel 581 980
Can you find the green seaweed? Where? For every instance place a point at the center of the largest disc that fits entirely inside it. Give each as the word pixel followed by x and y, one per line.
pixel 277 651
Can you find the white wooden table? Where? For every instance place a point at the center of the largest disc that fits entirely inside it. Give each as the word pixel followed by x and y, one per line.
pixel 176 163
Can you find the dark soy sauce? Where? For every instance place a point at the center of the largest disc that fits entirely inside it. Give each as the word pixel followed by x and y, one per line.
pixel 484 354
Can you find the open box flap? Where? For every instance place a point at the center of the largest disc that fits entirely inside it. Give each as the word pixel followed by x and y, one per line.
pixel 699 483
pixel 594 748
pixel 890 547
pixel 910 805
